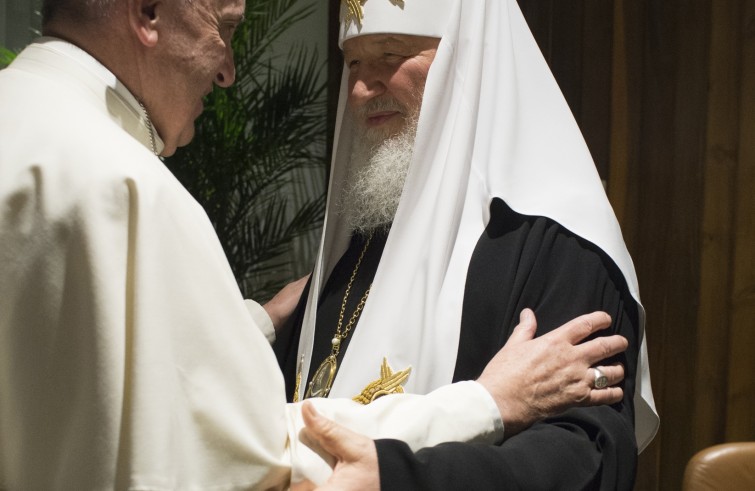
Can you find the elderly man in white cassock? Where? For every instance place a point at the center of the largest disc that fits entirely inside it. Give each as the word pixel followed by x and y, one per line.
pixel 461 193
pixel 128 359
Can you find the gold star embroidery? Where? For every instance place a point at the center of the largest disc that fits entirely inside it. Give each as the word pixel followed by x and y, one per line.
pixel 352 11
pixel 388 383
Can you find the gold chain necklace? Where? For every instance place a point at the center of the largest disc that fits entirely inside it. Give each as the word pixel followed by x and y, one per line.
pixel 323 378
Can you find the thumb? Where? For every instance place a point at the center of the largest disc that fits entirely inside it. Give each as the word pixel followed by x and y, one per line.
pixel 325 437
pixel 525 330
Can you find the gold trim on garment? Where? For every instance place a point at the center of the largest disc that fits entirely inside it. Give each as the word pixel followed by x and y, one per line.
pixel 389 383
pixel 353 11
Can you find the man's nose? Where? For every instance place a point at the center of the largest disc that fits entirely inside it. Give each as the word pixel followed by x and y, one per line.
pixel 227 72
pixel 367 84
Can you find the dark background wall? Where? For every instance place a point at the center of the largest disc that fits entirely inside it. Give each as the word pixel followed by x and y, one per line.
pixel 19 22
pixel 665 95
pixel 664 91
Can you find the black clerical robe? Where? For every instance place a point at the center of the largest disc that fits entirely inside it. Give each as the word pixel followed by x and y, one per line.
pixel 519 261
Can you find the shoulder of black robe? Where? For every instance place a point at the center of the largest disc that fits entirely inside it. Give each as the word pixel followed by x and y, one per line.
pixel 524 261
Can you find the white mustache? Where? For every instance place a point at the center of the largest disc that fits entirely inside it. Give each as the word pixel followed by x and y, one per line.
pixel 379 105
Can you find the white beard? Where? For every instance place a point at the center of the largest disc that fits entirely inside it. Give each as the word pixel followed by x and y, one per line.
pixel 374 185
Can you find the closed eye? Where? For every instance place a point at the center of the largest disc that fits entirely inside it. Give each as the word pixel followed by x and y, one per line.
pixel 393 58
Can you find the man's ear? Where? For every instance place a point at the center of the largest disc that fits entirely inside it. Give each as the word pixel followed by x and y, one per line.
pixel 143 17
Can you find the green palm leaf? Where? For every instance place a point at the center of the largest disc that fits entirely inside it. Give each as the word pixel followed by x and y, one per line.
pixel 6 57
pixel 252 146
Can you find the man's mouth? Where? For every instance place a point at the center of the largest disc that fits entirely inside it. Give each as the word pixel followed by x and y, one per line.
pixel 378 118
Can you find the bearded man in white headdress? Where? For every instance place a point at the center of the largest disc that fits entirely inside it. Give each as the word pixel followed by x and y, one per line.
pixel 461 193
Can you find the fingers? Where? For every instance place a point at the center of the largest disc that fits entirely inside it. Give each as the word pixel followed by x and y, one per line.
pixel 526 328
pixel 323 432
pixel 310 415
pixel 305 485
pixel 356 466
pixel 332 438
pixel 317 430
pixel 609 395
pixel 312 419
pixel 603 347
pixel 614 373
pixel 583 326
pixel 282 305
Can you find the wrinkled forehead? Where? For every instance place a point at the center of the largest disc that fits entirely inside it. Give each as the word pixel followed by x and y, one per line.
pixel 235 6
pixel 405 44
pixel 411 17
pixel 225 7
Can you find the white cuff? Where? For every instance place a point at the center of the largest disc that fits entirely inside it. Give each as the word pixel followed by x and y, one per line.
pixel 463 411
pixel 260 317
pixel 495 414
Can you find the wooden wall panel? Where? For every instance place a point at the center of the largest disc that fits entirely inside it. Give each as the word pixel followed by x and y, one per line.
pixel 681 151
pixel 595 80
pixel 740 418
pixel 625 188
pixel 716 241
pixel 565 58
pixel 624 121
pixel 667 253
pixel 539 15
